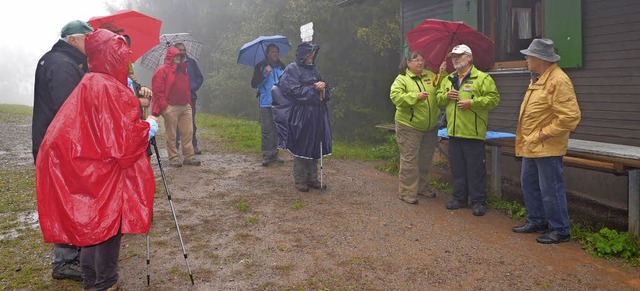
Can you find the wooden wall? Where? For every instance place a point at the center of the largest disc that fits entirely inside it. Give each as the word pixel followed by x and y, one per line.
pixel 608 86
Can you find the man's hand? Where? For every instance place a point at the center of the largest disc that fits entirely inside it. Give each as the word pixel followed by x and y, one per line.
pixel 541 136
pixel 267 70
pixel 443 66
pixel 423 95
pixel 453 95
pixel 146 94
pixel 464 104
pixel 320 86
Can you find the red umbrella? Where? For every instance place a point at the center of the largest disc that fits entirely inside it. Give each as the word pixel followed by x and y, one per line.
pixel 436 38
pixel 143 30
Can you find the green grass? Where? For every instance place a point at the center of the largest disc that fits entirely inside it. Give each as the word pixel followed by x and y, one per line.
pixel 10 113
pixel 242 206
pixel 241 135
pixel 236 134
pixel 297 205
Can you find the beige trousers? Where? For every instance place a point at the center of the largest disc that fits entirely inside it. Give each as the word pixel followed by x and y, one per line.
pixel 178 116
pixel 416 153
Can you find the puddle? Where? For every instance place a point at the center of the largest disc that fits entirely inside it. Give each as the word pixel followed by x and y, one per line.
pixel 28 219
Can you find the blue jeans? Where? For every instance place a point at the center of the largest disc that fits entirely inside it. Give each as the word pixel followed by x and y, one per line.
pixel 545 192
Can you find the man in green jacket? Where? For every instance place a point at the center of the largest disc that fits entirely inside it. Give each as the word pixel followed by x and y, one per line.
pixel 468 94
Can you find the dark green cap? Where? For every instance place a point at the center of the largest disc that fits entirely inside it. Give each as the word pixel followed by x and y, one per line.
pixel 76 27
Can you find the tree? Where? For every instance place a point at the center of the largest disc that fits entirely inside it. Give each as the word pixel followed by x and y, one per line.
pixel 360 47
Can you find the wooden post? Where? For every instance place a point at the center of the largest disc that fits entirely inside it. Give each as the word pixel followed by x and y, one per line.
pixel 634 202
pixel 496 171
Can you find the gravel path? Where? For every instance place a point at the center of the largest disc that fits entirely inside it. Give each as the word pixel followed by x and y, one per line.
pixel 245 227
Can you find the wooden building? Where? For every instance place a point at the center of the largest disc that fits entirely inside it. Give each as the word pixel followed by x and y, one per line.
pixel 599 42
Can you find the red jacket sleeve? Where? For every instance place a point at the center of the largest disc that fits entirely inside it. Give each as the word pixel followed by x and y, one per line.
pixel 160 90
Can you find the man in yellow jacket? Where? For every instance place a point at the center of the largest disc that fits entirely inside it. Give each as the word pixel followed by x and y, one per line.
pixel 548 113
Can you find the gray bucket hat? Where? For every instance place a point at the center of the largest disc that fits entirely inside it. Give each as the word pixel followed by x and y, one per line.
pixel 543 49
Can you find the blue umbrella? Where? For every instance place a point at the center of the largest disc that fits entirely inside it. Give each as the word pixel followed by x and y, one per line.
pixel 254 51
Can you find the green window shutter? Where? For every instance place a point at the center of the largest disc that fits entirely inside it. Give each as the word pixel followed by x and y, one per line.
pixel 563 25
pixel 467 11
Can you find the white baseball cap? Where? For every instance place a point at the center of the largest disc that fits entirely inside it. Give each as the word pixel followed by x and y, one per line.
pixel 461 49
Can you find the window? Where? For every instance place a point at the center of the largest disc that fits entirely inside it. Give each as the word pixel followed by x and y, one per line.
pixel 513 24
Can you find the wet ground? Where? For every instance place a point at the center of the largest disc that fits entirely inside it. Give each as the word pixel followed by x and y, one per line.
pixel 245 227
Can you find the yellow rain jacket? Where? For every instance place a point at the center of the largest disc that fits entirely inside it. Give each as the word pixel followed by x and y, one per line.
pixel 549 106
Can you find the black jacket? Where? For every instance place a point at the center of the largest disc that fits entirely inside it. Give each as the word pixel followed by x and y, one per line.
pixel 58 72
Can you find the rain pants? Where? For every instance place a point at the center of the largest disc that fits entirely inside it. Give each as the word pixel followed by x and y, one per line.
pixel 93 176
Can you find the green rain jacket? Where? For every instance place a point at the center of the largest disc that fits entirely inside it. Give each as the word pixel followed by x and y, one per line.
pixel 410 111
pixel 481 89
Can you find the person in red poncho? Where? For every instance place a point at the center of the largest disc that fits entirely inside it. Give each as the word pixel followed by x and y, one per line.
pixel 172 99
pixel 94 181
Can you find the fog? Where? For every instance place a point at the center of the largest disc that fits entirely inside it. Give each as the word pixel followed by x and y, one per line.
pixel 31 28
pixel 360 49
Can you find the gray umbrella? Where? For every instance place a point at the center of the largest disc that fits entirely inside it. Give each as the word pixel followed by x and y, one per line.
pixel 155 56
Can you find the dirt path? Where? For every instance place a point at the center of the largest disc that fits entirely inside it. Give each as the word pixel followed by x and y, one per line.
pixel 357 235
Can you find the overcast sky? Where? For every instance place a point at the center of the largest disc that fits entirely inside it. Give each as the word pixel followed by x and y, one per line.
pixel 32 27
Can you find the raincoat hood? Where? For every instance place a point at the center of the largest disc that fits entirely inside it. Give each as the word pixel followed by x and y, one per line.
pixel 108 53
pixel 303 50
pixel 171 52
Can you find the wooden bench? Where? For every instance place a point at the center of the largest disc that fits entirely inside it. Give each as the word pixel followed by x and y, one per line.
pixel 598 156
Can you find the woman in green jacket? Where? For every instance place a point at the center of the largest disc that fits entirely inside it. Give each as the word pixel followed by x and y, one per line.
pixel 414 94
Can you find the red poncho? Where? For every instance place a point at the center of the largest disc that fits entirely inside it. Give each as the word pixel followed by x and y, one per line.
pixel 92 172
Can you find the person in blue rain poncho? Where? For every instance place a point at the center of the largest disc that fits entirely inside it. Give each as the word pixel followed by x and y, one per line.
pixel 302 117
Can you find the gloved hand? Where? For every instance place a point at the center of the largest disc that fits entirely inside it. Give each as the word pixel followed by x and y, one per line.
pixel 153 126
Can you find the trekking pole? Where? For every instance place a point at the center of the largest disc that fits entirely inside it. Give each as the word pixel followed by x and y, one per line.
pixel 175 219
pixel 148 261
pixel 321 122
pixel 321 185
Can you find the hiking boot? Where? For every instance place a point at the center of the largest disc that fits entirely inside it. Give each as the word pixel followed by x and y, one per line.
pixel 71 271
pixel 479 208
pixel 117 286
pixel 175 163
pixel 553 237
pixel 530 228
pixel 455 204
pixel 192 162
pixel 429 194
pixel 302 186
pixel 408 199
pixel 316 185
pixel 276 160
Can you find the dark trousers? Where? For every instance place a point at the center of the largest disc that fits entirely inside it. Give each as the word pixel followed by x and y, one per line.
pixel 468 169
pixel 305 170
pixel 269 135
pixel 100 264
pixel 65 254
pixel 194 140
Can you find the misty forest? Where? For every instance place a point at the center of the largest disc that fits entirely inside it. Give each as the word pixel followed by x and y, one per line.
pixel 360 48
